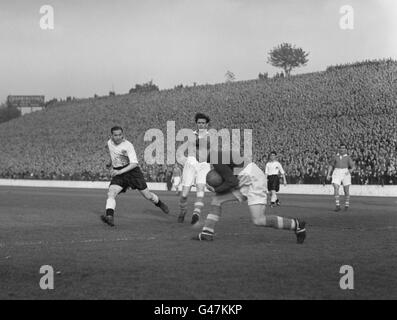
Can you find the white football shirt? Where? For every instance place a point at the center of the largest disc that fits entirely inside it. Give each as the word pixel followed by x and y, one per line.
pixel 122 154
pixel 273 167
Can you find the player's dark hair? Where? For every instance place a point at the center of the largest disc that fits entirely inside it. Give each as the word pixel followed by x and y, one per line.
pixel 201 116
pixel 342 145
pixel 273 152
pixel 115 128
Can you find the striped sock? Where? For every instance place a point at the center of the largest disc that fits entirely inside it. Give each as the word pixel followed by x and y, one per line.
pixel 198 205
pixel 212 219
pixel 337 200
pixel 183 205
pixel 347 200
pixel 277 222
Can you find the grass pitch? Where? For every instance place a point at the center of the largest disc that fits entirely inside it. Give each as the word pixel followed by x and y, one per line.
pixel 148 255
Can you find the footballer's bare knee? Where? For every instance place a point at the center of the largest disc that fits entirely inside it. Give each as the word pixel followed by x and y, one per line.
pixel 112 193
pixel 146 194
pixel 258 220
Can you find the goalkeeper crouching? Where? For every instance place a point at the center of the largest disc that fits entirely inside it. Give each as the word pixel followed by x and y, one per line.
pixel 250 185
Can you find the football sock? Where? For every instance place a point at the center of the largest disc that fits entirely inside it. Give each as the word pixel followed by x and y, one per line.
pixel 347 200
pixel 110 206
pixel 183 204
pixel 212 219
pixel 276 222
pixel 155 198
pixel 337 200
pixel 273 197
pixel 199 204
pixel 208 232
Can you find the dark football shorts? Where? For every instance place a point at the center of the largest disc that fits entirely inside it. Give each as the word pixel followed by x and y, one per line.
pixel 133 179
pixel 273 183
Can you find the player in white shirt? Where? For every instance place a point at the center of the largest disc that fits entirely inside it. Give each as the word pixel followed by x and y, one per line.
pixel 125 173
pixel 195 171
pixel 272 171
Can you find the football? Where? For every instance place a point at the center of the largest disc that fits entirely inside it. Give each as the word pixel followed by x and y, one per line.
pixel 214 179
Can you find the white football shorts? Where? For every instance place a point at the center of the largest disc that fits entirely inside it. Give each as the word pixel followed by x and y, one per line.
pixel 254 188
pixel 341 176
pixel 194 172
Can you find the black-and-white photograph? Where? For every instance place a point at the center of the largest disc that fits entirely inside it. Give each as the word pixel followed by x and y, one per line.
pixel 181 151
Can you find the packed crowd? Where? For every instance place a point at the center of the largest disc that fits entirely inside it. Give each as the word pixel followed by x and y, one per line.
pixel 302 117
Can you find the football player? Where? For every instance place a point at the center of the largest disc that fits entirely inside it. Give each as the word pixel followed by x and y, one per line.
pixel 341 168
pixel 195 171
pixel 249 185
pixel 272 170
pixel 125 173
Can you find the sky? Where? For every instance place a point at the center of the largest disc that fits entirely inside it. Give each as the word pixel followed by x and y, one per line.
pixel 98 46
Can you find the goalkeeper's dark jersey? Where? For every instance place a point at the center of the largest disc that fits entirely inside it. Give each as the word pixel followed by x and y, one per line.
pixel 225 165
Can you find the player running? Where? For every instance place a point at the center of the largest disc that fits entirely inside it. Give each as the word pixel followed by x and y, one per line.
pixel 125 174
pixel 342 166
pixel 176 179
pixel 250 185
pixel 272 170
pixel 195 171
